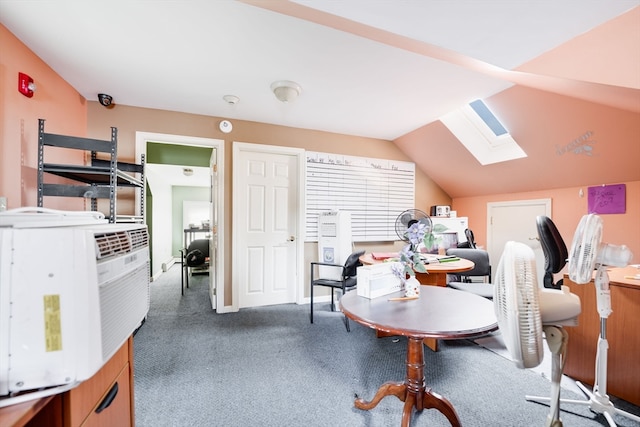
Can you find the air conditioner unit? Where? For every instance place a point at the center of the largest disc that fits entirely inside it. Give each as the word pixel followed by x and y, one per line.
pixel 334 241
pixel 72 290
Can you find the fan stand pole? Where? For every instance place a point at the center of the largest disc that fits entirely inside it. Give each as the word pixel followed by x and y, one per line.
pixel 556 338
pixel 598 399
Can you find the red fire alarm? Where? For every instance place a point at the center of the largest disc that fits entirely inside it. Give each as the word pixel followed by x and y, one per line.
pixel 25 85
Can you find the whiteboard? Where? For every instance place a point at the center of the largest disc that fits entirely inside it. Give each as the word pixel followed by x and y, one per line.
pixel 375 191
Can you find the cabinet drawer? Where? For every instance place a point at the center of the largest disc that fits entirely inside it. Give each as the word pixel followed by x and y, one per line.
pixel 118 412
pixel 81 401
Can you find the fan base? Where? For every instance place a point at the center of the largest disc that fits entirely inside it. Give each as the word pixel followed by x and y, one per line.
pixel 597 403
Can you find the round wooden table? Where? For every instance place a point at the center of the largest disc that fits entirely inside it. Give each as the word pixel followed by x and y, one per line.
pixel 436 272
pixel 439 313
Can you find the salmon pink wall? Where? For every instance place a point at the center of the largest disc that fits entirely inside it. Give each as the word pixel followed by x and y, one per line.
pixel 54 100
pixel 589 57
pixel 567 207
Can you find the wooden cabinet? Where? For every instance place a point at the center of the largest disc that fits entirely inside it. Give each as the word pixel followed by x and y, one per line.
pixel 622 335
pixel 106 399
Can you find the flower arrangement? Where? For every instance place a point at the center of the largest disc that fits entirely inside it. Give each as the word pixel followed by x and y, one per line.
pixel 409 255
pixel 410 260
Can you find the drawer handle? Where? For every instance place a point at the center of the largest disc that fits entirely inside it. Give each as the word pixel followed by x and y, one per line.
pixel 108 399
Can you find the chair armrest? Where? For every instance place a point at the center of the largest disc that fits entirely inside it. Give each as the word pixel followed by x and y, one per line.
pixel 324 264
pixel 328 264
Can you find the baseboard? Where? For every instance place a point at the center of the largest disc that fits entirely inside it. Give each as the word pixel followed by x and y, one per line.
pixel 167 265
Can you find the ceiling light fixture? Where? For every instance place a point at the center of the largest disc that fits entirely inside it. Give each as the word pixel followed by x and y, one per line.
pixel 285 90
pixel 231 99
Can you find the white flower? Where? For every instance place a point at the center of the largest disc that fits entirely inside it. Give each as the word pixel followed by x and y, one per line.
pixel 409 255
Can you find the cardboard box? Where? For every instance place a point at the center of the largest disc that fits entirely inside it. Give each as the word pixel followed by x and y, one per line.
pixel 377 280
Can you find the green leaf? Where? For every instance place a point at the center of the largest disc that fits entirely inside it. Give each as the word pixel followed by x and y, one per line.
pixel 420 268
pixel 439 228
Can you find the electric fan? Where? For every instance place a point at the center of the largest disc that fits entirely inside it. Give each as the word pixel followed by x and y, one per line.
pixel 524 311
pixel 409 217
pixel 589 253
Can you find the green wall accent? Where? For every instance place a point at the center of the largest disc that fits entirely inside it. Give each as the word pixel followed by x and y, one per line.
pixel 183 155
pixel 170 154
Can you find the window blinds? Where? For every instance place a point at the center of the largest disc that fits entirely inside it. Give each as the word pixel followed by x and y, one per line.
pixel 375 191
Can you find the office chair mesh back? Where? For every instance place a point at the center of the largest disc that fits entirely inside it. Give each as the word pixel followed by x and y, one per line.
pixel 554 249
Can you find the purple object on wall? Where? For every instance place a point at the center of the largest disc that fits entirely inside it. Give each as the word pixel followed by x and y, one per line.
pixel 607 199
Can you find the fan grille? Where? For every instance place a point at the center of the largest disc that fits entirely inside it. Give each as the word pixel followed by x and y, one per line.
pixel 516 304
pixel 407 218
pixel 584 248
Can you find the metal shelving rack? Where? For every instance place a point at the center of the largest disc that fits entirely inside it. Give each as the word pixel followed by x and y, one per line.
pixel 100 180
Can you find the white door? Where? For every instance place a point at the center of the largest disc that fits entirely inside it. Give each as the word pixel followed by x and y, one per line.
pixel 515 220
pixel 213 218
pixel 266 224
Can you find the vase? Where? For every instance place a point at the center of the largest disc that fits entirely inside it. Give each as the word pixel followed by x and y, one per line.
pixel 412 287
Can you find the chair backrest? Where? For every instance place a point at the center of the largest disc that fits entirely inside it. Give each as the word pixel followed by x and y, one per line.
pixel 470 238
pixel 479 257
pixel 554 249
pixel 352 263
pixel 201 244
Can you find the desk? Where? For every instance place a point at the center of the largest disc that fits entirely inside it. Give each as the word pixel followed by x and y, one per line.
pixel 623 324
pixel 440 312
pixel 78 406
pixel 437 273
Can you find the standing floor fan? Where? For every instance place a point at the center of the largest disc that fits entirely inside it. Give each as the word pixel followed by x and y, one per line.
pixel 525 310
pixel 589 253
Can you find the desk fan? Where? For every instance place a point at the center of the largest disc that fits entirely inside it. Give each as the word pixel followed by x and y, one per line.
pixel 589 253
pixel 524 311
pixel 409 217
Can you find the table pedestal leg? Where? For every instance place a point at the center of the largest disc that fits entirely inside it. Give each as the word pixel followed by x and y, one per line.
pixel 432 343
pixel 413 391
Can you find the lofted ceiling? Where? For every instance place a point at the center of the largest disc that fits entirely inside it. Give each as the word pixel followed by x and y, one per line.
pixel 373 68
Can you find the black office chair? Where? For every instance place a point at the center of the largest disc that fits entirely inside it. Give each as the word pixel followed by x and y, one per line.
pixel 482 267
pixel 347 281
pixel 471 241
pixel 554 249
pixel 194 257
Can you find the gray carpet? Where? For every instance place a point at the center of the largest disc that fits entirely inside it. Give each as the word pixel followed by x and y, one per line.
pixel 270 367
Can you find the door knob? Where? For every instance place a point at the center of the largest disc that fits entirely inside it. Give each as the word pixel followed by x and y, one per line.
pixel 291 238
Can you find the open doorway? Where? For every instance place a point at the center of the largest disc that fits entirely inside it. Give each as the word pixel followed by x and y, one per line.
pixel 158 215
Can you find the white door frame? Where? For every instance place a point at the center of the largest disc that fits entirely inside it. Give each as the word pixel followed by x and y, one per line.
pixel 141 148
pixel 237 245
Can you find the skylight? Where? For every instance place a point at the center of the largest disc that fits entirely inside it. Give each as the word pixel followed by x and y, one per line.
pixel 480 131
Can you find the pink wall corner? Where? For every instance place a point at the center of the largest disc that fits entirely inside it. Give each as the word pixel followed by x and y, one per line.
pixel 589 57
pixel 54 100
pixel 567 207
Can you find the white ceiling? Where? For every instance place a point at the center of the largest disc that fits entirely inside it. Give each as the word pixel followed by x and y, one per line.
pixel 186 55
